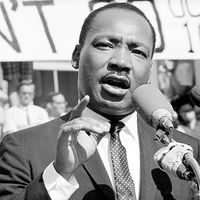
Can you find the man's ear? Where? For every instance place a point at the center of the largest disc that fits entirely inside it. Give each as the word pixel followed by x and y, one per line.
pixel 75 56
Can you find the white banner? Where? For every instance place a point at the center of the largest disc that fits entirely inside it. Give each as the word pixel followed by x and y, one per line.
pixel 47 30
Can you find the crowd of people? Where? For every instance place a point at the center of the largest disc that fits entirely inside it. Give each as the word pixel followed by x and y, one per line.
pixel 176 78
pixel 102 149
pixel 18 110
pixel 186 115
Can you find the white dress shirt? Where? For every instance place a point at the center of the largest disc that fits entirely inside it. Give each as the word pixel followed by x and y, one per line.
pixel 60 190
pixel 21 117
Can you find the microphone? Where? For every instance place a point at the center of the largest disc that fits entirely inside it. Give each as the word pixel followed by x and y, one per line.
pixel 175 159
pixel 195 95
pixel 154 108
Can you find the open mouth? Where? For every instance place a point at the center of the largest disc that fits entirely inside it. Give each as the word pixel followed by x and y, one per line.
pixel 117 81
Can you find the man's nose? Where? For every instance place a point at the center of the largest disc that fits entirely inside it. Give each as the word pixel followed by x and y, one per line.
pixel 121 60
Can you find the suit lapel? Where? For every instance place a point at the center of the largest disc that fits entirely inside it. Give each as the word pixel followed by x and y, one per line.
pixel 93 175
pixel 147 150
pixel 94 182
pixel 97 170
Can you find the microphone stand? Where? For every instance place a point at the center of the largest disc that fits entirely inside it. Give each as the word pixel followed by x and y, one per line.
pixel 196 169
pixel 166 137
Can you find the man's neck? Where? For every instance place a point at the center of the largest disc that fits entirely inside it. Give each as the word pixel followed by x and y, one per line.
pixel 108 116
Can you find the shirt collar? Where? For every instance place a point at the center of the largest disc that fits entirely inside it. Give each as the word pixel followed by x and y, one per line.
pixel 130 121
pixel 25 107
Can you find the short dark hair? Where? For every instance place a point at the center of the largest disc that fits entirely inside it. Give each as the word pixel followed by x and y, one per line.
pixel 126 6
pixel 25 82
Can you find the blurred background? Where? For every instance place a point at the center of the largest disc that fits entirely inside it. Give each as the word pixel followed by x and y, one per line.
pixel 37 39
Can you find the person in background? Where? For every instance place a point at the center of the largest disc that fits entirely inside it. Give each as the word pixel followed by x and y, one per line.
pixel 186 116
pixel 3 100
pixel 56 105
pixel 77 156
pixel 26 114
pixel 185 76
pixel 175 77
pixel 14 73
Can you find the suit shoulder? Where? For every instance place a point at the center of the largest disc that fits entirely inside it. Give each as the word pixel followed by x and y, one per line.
pixel 178 135
pixel 37 134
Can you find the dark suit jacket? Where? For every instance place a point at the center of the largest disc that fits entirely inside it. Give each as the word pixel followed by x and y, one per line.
pixel 25 154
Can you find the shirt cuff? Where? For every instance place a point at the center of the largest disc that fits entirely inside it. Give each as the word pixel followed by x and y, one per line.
pixel 57 186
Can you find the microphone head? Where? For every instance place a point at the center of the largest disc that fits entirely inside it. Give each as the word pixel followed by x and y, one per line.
pixel 151 104
pixel 195 95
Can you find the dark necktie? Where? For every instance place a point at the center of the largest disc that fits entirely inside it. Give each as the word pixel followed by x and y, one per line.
pixel 125 188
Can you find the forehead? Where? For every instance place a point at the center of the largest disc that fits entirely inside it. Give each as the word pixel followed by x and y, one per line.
pixel 121 21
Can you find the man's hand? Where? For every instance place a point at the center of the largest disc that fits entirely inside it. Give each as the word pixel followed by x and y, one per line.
pixel 77 140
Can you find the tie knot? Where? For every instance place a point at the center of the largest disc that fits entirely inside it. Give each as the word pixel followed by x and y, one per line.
pixel 116 127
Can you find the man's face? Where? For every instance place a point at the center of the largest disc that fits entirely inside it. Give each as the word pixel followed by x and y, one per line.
pixel 58 104
pixel 115 59
pixel 26 94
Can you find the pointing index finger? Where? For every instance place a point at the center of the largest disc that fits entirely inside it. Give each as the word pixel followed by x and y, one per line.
pixel 77 110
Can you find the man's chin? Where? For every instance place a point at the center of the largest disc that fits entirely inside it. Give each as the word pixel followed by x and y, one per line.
pixel 116 108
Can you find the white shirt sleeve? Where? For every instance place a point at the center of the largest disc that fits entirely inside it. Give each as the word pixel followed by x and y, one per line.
pixel 9 123
pixel 57 187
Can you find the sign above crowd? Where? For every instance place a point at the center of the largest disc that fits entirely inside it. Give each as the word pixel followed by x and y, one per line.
pixel 47 30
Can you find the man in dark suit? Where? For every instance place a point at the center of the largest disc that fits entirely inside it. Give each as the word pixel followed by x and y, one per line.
pixel 70 157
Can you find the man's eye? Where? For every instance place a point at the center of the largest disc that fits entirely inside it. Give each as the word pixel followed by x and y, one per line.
pixel 103 45
pixel 139 52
